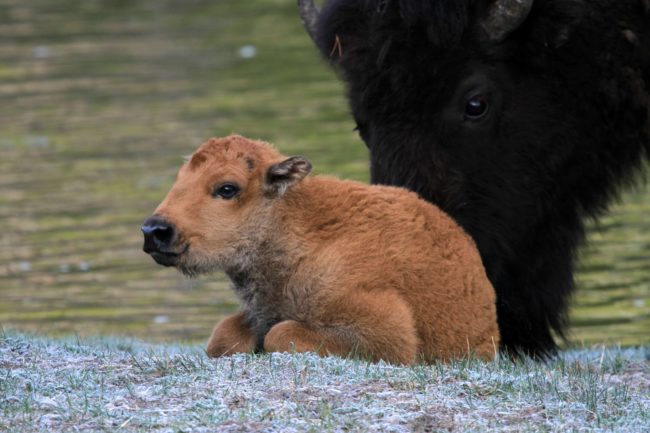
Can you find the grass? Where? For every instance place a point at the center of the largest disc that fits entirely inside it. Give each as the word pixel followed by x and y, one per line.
pixel 107 384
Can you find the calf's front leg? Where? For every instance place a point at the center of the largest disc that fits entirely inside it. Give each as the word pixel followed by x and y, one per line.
pixel 231 335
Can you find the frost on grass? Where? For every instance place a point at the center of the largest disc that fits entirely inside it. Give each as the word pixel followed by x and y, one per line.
pixel 125 385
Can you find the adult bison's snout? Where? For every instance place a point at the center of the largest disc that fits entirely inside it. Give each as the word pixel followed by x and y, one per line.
pixel 160 241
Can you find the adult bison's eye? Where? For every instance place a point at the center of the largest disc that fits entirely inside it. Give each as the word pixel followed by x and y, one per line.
pixel 476 107
pixel 226 191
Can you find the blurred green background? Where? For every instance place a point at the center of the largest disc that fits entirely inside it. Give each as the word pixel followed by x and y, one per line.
pixel 100 101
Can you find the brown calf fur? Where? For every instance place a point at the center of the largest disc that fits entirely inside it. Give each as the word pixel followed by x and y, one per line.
pixel 325 265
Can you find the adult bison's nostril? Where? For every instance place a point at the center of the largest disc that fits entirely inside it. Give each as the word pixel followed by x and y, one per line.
pixel 159 236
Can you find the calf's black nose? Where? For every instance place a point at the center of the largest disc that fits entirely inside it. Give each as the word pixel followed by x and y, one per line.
pixel 159 235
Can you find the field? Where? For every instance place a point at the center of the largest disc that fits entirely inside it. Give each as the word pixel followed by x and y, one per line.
pixel 123 385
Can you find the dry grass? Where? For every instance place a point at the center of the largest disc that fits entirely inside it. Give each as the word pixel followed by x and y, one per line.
pixel 126 385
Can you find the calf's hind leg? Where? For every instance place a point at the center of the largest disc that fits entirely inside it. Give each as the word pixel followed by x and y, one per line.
pixel 374 325
pixel 231 335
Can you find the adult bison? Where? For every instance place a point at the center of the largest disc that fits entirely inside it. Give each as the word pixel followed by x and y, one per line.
pixel 520 118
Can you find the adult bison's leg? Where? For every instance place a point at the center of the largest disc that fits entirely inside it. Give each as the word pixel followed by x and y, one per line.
pixel 374 326
pixel 527 320
pixel 534 288
pixel 231 335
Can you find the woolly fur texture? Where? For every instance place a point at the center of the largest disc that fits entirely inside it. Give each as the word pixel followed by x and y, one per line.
pixel 519 139
pixel 325 265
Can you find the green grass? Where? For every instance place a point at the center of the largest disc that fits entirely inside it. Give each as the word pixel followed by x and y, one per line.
pixel 126 385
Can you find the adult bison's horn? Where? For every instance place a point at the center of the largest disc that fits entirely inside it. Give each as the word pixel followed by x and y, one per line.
pixel 505 16
pixel 309 16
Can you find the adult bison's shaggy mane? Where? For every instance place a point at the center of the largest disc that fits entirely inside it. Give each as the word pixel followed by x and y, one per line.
pixel 520 118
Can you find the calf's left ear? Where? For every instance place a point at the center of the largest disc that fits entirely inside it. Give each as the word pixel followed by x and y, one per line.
pixel 284 174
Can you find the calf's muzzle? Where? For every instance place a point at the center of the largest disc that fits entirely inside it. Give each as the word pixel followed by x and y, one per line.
pixel 160 237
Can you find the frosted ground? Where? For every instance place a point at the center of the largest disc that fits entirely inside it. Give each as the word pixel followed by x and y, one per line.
pixel 127 385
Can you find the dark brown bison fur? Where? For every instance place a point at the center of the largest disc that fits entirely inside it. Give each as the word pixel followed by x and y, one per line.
pixel 519 139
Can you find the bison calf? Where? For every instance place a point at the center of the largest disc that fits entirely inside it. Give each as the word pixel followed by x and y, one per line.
pixel 320 264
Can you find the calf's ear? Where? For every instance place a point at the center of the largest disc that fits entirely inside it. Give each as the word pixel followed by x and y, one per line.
pixel 284 174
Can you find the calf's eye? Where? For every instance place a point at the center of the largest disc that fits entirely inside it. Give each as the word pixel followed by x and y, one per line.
pixel 476 107
pixel 226 191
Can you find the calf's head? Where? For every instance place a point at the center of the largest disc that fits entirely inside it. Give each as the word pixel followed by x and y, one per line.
pixel 217 210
